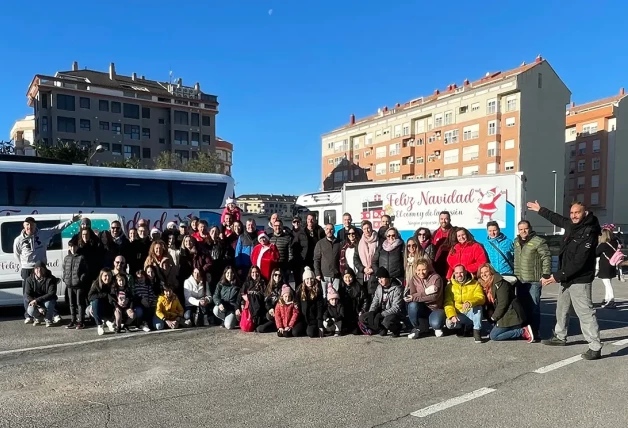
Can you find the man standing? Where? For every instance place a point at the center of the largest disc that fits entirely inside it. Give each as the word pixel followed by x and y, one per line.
pixel 575 275
pixel 118 246
pixel 533 263
pixel 283 242
pixel 347 222
pixel 327 259
pixel 244 248
pixel 30 247
pixel 440 241
pixel 386 223
pixel 500 249
pixel 299 251
pixel 314 234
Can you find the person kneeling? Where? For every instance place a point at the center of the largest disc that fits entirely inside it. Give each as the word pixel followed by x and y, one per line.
pixel 286 313
pixel 196 300
pixel 386 311
pixel 334 314
pixel 169 310
pixel 41 294
pixel 508 315
pixel 227 299
pixel 464 298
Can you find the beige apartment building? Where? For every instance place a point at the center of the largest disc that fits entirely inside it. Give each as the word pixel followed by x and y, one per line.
pixel 596 138
pixel 23 135
pixel 267 204
pixel 130 116
pixel 505 121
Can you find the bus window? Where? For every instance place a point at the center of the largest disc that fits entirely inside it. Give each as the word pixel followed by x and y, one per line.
pixel 130 192
pixel 4 189
pixel 198 195
pixel 330 216
pixel 11 229
pixel 50 190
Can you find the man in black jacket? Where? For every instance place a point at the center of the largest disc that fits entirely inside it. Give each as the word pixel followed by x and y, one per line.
pixel 347 222
pixel 41 294
pixel 283 242
pixel 575 275
pixel 314 233
pixel 327 259
pixel 299 251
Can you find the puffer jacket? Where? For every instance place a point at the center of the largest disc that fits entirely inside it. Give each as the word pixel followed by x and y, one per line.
pixel 394 303
pixel 429 290
pixel 29 250
pixel 469 255
pixel 246 242
pixel 228 295
pixel 193 291
pixel 500 264
pixel 533 259
pixel 286 314
pixel 393 261
pixel 75 271
pixel 508 310
pixel 457 293
pixel 283 242
pixel 168 310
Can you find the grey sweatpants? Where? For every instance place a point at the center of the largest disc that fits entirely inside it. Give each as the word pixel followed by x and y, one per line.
pixel 578 295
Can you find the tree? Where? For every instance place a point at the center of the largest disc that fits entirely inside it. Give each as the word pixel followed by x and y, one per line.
pixel 69 151
pixel 205 162
pixel 132 163
pixel 7 147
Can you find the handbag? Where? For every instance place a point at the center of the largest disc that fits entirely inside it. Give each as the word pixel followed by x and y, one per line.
pixel 502 254
pixel 246 320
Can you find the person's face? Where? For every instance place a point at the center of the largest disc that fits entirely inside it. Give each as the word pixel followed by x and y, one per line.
pixel 116 229
pixel 132 235
pixel 142 232
pixel 277 227
pixel 213 233
pixel 255 274
pixel 85 235
pixel 444 221
pixel 228 219
pixel 229 275
pixel 276 276
pixel 150 273
pixel 119 264
pixel 367 230
pixel 296 224
pixel 166 264
pixel 333 302
pixel 72 249
pixel 264 241
pixel 493 231
pixel 202 229
pixel 39 272
pixel 310 221
pixel 309 282
pixel 351 235
pixel 169 294
pixel 120 282
pixel 391 235
pixel 237 228
pixel 171 239
pixel 139 276
pixel 231 206
pixel 250 226
pixel 384 282
pixel 286 296
pixel 485 274
pixel 577 213
pixel 461 236
pixel 196 274
pixel 347 278
pixel 422 235
pixel 29 228
pixel 421 271
pixel 273 218
pixel 412 247
pixel 194 224
pixel 524 230
pixel 386 221
pixel 346 220
pixel 459 273
pixel 187 243
pixel 329 231
pixel 159 250
pixel 182 230
pixel 105 277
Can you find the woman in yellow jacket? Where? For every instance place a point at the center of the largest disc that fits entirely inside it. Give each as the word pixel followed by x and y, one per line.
pixel 169 310
pixel 464 298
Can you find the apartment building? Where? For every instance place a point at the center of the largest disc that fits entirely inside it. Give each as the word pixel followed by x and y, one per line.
pixel 267 204
pixel 23 135
pixel 596 138
pixel 224 152
pixel 505 121
pixel 130 116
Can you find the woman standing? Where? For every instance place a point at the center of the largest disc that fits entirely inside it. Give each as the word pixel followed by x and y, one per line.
pixel 426 249
pixel 608 245
pixel 156 253
pixel 411 259
pixel 366 250
pixel 349 254
pixel 466 252
pixel 390 256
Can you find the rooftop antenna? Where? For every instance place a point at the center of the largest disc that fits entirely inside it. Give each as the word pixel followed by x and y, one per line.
pixel 171 77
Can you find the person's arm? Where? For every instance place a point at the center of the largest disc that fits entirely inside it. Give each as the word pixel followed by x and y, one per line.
pixel 290 249
pixel 422 296
pixel 449 304
pixel 238 253
pixel 377 298
pixel 359 267
pixel 317 260
pixel 217 294
pixel 510 252
pixel 279 316
pixel 187 293
pixel 17 250
pixel 546 258
pixel 479 258
pixel 504 299
pixel 177 308
pixel 477 298
pixel 28 290
pixel 304 244
pixel 320 307
pixel 45 235
pixel 294 317
pixel 599 251
pixel 274 253
pixel 341 312
pixel 375 259
pixel 160 311
pixel 83 269
pixel 396 298
pixel 554 218
pixel 573 269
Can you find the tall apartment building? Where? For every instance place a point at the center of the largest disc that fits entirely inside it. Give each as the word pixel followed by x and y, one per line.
pixel 504 122
pixel 596 138
pixel 130 116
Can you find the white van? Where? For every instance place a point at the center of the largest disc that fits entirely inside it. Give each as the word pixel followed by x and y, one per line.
pixel 11 227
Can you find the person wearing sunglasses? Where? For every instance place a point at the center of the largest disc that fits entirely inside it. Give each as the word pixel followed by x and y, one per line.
pixel 426 248
pixel 349 255
pixel 390 255
pixel 347 225
pixel 299 250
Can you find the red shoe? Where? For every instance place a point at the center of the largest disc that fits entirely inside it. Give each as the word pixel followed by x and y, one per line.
pixel 527 334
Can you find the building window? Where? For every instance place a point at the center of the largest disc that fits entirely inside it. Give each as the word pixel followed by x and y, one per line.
pixel 509 144
pixel 394 167
pixel 492 149
pixel 572 151
pixel 582 148
pixel 397 131
pixel 105 146
pixel 471 170
pixel 491 168
pixel 438 120
pixel 380 152
pixel 394 149
pixel 103 105
pixel 451 137
pixel 540 81
pixel 492 127
pixel 131 152
pixel 511 103
pixel 103 126
pixel 449 118
pixel 181 117
pixel 450 172
pixel 580 182
pixel 451 156
pixel 431 139
pixel 195 138
pixel 84 102
pixel 207 120
pixel 145 132
pixel 596 146
pixel 470 153
pixel 470 132
pixel 589 128
pixel 116 149
pixel 195 119
pixel 510 122
pixel 146 152
pixel 161 121
pixel 184 155
pixel 162 141
pixel 491 106
pixel 369 140
pixel 475 106
pixel 509 166
pixel 572 167
pixel 66 124
pixel 65 102
pixel 116 128
pixel 85 125
pixel 580 198
pixel 131 111
pixel 386 131
pixel 463 109
pixel 44 124
pixel 131 132
pixel 207 139
pixel 596 164
pixel 595 181
pixel 44 100
pixel 380 169
pixel 406 129
pixel 181 137
pixel 581 165
pixel 595 198
pixel 419 126
pixel 116 107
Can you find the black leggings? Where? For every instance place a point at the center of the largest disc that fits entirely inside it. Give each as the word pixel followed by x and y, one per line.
pixel 267 327
pixel 301 328
pixel 76 298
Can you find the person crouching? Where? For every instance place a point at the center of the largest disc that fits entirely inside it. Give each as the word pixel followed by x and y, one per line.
pixel 334 314
pixel 169 311
pixel 386 311
pixel 286 313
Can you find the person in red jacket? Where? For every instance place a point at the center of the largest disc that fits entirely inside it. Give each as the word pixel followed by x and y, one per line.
pixel 440 240
pixel 467 252
pixel 232 209
pixel 286 313
pixel 265 255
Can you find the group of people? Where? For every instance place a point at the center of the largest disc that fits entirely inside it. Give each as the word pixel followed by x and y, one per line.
pixel 358 281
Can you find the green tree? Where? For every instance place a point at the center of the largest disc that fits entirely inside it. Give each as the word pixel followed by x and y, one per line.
pixel 205 162
pixel 7 147
pixel 69 151
pixel 132 163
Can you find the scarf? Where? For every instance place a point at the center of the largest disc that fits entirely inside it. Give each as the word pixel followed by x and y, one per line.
pixel 390 247
pixel 366 250
pixel 425 244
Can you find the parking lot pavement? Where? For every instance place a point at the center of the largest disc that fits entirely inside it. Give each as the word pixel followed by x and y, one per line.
pixel 214 377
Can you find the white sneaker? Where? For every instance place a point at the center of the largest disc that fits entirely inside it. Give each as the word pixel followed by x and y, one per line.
pixel 56 319
pixel 48 323
pixel 414 334
pixel 101 330
pixel 188 323
pixel 36 322
pixel 111 326
pixel 28 320
pixel 438 332
pixel 145 327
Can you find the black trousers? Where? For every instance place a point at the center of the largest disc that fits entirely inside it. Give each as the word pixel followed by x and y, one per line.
pixel 301 328
pixel 267 327
pixel 77 298
pixel 376 322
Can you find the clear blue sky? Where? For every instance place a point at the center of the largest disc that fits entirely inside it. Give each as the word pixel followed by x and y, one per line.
pixel 285 77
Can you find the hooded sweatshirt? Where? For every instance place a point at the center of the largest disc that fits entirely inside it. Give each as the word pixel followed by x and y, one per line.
pixel 29 250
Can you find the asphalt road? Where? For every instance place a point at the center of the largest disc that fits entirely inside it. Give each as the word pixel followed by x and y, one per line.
pixel 51 377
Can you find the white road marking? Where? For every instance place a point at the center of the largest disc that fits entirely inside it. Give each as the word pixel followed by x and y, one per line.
pixel 434 408
pixel 84 342
pixel 545 314
pixel 621 342
pixel 558 365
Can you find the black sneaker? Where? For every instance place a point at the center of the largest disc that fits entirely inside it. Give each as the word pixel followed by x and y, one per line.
pixel 592 355
pixel 460 332
pixel 554 341
pixel 383 332
pixel 395 333
pixel 477 336
pixel 71 325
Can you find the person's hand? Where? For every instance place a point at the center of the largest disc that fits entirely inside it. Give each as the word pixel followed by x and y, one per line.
pixel 466 306
pixel 202 302
pixel 321 332
pixel 453 320
pixel 32 303
pixel 407 299
pixel 238 313
pixel 287 329
pixel 245 297
pixel 221 308
pixel 271 312
pixel 534 206
pixel 368 270
pixel 548 281
pixel 319 278
pixel 129 312
pixel 280 330
pixel 170 324
pixel 76 217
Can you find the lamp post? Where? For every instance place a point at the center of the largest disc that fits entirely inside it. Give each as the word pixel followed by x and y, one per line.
pixel 555 191
pixel 99 149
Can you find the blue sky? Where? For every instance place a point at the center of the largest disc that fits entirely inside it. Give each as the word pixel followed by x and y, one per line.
pixel 286 77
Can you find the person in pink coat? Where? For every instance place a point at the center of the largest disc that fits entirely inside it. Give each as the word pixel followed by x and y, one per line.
pixel 265 255
pixel 232 209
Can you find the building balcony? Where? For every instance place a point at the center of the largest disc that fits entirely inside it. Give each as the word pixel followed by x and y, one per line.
pixel 408 168
pixel 407 150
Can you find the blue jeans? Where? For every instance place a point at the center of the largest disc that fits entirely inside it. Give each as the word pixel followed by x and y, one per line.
pixel 139 313
pixel 472 317
pixel 499 333
pixel 533 306
pixel 190 311
pixel 25 273
pixel 101 309
pixel 33 311
pixel 418 311
pixel 335 282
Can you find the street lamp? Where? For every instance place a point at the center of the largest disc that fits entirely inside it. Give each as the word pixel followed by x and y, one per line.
pixel 555 190
pixel 99 149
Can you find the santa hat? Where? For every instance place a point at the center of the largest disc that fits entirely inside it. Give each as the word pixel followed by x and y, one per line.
pixel 154 231
pixel 261 235
pixel 231 201
pixel 171 225
pixel 493 190
pixel 332 293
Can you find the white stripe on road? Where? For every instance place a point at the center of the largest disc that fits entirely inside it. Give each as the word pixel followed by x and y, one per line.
pixel 84 342
pixel 545 314
pixel 621 342
pixel 434 408
pixel 558 365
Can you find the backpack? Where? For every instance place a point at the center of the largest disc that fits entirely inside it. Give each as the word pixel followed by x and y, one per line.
pixel 617 257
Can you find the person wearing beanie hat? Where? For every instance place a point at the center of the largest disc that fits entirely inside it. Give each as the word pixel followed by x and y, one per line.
pixel 307 273
pixel 76 280
pixel 233 209
pixel 265 255
pixel 286 313
pixel 41 294
pixel 387 308
pixel 334 313
pixel 309 297
pixel 355 301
